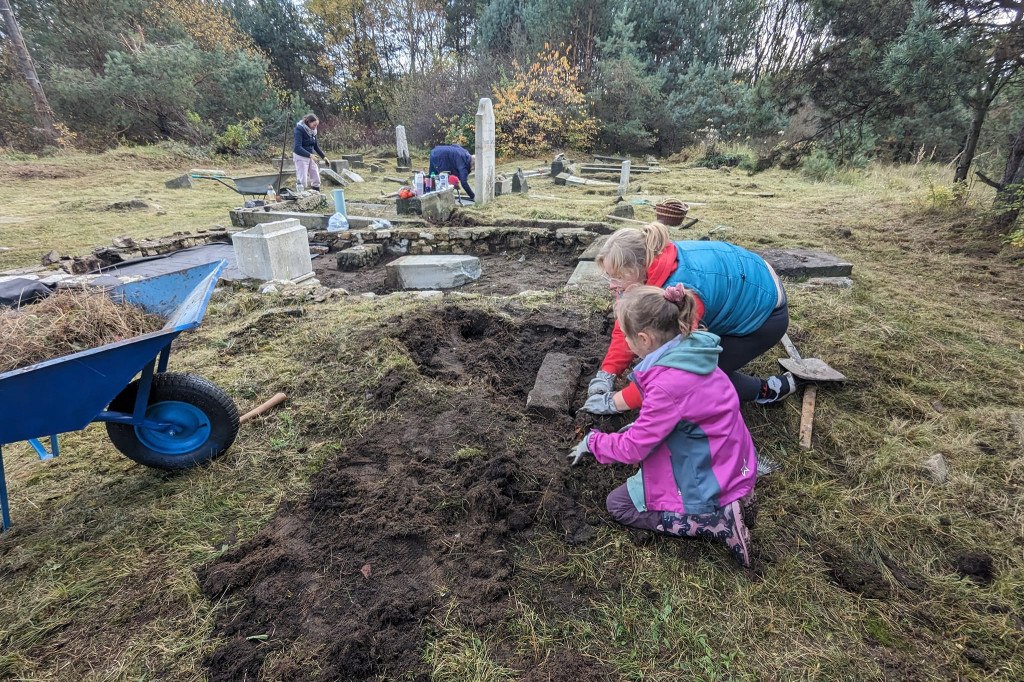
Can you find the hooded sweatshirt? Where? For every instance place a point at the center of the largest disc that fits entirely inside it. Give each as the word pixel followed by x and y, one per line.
pixel 695 453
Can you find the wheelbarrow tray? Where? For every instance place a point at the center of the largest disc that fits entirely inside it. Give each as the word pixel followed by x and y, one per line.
pixel 251 185
pixel 69 392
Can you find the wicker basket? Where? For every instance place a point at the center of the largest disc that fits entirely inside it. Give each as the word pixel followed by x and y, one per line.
pixel 671 212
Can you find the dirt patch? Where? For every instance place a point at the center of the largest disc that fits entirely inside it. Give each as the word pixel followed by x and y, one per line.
pixel 976 566
pixel 501 274
pixel 855 574
pixel 37 171
pixel 420 517
pixel 568 665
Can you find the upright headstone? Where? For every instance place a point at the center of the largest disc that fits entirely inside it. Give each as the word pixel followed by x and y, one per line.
pixel 402 144
pixel 519 184
pixel 485 141
pixel 624 178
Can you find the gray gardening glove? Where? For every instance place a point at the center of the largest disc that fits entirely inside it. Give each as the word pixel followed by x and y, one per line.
pixel 602 403
pixel 582 448
pixel 626 427
pixel 602 383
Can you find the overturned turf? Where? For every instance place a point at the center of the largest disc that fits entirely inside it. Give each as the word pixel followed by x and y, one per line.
pixel 420 517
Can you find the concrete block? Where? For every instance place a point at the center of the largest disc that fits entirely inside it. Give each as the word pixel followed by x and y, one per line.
pixel 359 256
pixel 432 272
pixel 555 385
pixel 805 263
pixel 502 186
pixel 180 182
pixel 588 277
pixel 273 251
pixel 338 166
pixel 437 207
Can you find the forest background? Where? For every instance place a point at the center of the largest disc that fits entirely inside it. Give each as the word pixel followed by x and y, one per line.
pixel 812 84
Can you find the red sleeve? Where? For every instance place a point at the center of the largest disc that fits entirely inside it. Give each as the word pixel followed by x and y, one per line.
pixel 618 357
pixel 632 397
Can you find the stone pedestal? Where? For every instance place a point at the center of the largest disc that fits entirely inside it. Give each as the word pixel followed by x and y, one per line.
pixel 432 272
pixel 273 251
pixel 485 145
pixel 502 186
pixel 437 207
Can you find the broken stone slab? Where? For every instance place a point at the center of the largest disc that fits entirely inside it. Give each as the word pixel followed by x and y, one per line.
pixel 805 263
pixel 827 283
pixel 403 169
pixel 588 277
pixel 207 171
pixel 351 176
pixel 561 178
pixel 555 385
pixel 437 207
pixel 273 251
pixel 391 178
pixel 51 258
pixel 623 210
pixel 936 468
pixel 359 256
pixel 309 201
pixel 333 178
pixel 432 272
pixel 180 182
pixel 590 253
pixel 123 242
pixel 502 185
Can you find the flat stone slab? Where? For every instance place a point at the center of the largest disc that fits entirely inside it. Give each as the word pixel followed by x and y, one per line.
pixel 590 253
pixel 555 385
pixel 180 182
pixel 589 277
pixel 805 263
pixel 432 272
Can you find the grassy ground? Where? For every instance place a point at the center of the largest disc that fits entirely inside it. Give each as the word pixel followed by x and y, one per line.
pixel 858 549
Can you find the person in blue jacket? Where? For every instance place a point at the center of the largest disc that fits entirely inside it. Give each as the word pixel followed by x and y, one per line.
pixel 306 170
pixel 453 159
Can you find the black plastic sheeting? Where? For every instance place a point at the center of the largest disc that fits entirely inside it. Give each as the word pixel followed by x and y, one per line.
pixel 16 292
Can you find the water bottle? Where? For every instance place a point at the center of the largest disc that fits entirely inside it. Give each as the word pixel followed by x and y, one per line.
pixel 417 183
pixel 298 185
pixel 339 221
pixel 271 194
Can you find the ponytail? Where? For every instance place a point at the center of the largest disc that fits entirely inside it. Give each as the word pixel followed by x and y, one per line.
pixel 656 238
pixel 662 312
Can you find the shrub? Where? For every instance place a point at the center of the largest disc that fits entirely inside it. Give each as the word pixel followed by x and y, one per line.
pixel 239 137
pixel 543 108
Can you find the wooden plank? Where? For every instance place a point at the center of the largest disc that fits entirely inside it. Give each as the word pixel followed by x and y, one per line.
pixel 807 416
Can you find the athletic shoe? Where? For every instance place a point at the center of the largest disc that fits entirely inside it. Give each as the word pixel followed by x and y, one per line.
pixel 776 388
pixel 738 539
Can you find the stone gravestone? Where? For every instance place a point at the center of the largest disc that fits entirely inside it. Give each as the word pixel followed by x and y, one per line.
pixel 485 141
pixel 402 145
pixel 274 251
pixel 624 178
pixel 519 185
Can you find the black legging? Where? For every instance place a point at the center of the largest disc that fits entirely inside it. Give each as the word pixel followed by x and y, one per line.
pixel 737 351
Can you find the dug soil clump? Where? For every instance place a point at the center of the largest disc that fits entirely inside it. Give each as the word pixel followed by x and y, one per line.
pixel 411 529
pixel 67 322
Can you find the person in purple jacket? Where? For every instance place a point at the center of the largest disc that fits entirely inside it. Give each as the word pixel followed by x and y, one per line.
pixel 697 460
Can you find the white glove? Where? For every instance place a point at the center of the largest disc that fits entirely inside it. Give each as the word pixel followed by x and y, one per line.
pixel 602 403
pixel 601 383
pixel 582 448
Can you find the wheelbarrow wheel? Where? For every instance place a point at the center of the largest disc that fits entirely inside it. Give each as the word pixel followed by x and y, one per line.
pixel 207 415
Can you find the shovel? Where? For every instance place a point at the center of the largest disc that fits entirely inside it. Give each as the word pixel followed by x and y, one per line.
pixel 811 370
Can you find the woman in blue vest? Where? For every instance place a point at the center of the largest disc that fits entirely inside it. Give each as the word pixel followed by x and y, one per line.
pixel 306 170
pixel 739 298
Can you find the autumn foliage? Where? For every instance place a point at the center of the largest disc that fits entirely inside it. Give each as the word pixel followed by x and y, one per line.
pixel 543 107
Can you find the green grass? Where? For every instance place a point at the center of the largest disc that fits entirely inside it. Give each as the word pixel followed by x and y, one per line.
pixel 98 578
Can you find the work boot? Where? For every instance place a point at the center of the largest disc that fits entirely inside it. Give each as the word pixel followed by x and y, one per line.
pixel 738 540
pixel 776 388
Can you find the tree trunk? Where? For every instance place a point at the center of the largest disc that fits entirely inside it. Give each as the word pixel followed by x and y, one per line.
pixel 44 114
pixel 1010 196
pixel 963 163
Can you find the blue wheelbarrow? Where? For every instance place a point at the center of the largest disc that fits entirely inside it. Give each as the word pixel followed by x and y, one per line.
pixel 162 419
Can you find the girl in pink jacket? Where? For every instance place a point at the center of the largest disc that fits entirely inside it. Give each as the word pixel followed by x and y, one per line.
pixel 697 460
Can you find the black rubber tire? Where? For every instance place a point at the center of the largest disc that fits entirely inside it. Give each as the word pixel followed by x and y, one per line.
pixel 205 395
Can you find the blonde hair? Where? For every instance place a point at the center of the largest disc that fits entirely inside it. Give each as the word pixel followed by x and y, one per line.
pixel 630 251
pixel 660 312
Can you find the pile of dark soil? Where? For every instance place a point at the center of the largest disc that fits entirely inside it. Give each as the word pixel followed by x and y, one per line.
pixel 67 322
pixel 501 274
pixel 418 521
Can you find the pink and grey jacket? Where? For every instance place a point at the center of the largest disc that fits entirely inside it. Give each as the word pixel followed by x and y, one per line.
pixel 695 452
